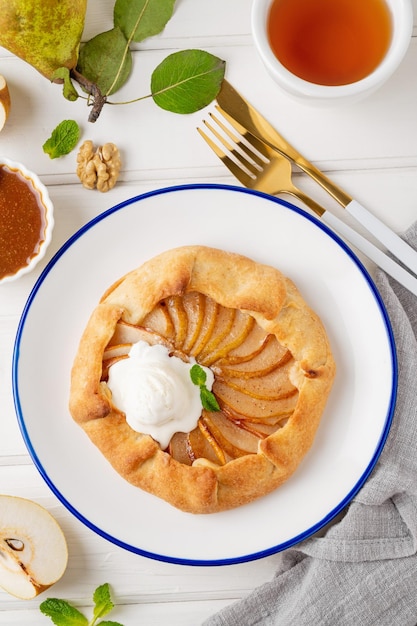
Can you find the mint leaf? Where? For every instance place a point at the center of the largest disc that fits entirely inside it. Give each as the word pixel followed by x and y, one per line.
pixel 187 81
pixel 109 623
pixel 208 399
pixel 63 139
pixel 102 601
pixel 62 613
pixel 139 19
pixel 198 375
pixel 106 60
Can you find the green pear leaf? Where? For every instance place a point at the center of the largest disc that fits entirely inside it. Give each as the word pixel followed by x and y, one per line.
pixel 69 91
pixel 187 81
pixel 139 19
pixel 106 60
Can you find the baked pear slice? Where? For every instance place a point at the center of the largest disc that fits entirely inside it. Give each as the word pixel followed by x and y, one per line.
pixel 273 371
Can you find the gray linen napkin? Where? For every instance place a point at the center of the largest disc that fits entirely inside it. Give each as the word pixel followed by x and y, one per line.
pixel 363 570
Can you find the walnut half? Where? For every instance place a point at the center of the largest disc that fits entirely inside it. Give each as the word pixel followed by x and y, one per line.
pixel 98 168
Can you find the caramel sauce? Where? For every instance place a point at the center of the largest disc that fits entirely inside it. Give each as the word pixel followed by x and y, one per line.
pixel 22 221
pixel 330 42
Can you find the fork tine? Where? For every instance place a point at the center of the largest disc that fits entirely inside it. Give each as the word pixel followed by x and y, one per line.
pixel 259 145
pixel 236 149
pixel 237 140
pixel 240 174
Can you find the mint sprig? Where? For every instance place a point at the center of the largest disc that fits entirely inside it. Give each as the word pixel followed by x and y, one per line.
pixel 208 399
pixel 63 139
pixel 62 613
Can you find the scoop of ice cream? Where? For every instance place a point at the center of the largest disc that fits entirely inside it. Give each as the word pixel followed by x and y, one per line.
pixel 155 391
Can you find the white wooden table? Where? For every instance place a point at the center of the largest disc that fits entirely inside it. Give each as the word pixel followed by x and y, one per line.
pixel 369 148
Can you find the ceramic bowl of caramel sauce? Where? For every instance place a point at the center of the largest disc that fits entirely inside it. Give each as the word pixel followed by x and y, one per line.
pixel 331 51
pixel 26 220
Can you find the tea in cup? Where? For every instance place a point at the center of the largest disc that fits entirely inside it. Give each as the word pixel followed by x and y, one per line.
pixel 331 50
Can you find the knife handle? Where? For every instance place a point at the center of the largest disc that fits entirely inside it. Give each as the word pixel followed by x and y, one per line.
pixel 397 246
pixel 372 252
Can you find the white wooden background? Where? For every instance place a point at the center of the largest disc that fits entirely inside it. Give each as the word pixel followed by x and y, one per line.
pixel 369 148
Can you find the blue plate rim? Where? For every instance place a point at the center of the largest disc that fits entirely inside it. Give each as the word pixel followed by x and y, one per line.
pixel 186 561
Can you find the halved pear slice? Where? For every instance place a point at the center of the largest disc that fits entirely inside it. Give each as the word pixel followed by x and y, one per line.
pixel 201 446
pixel 209 322
pixel 179 448
pixel 33 550
pixel 249 349
pixel 188 447
pixel 125 333
pixel 128 334
pixel 179 318
pixel 269 357
pixel 112 355
pixel 212 441
pixel 116 351
pixel 275 385
pixel 159 321
pixel 224 321
pixel 246 407
pixel 194 306
pixel 239 331
pixel 235 441
pixel 260 429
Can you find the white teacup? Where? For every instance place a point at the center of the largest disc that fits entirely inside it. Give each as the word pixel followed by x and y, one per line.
pixel 401 17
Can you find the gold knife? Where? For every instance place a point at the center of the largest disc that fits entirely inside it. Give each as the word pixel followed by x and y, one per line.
pixel 235 106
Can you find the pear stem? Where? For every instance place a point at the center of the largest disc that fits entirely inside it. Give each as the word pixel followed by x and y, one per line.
pixel 99 100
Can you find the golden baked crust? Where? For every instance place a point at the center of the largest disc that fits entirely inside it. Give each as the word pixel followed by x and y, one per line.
pixel 261 296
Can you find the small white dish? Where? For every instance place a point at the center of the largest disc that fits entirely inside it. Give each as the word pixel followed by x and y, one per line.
pixel 401 14
pixel 354 426
pixel 41 193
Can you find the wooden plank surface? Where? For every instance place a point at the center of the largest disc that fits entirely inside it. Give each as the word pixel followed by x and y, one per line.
pixel 369 148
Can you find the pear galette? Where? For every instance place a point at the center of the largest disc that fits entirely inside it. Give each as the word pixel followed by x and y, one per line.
pixel 263 351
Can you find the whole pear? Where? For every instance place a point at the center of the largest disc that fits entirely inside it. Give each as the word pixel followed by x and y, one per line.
pixel 44 33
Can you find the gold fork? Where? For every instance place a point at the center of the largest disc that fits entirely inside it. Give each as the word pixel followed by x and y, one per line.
pixel 257 166
pixel 252 162
pixel 235 107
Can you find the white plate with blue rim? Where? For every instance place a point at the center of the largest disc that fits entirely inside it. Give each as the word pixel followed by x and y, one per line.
pixel 332 280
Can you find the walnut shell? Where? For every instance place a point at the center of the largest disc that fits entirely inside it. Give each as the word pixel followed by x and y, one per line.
pixel 98 168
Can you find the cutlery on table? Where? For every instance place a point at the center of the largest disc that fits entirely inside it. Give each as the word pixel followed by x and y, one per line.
pixel 259 166
pixel 255 164
pixel 235 107
pixel 262 160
